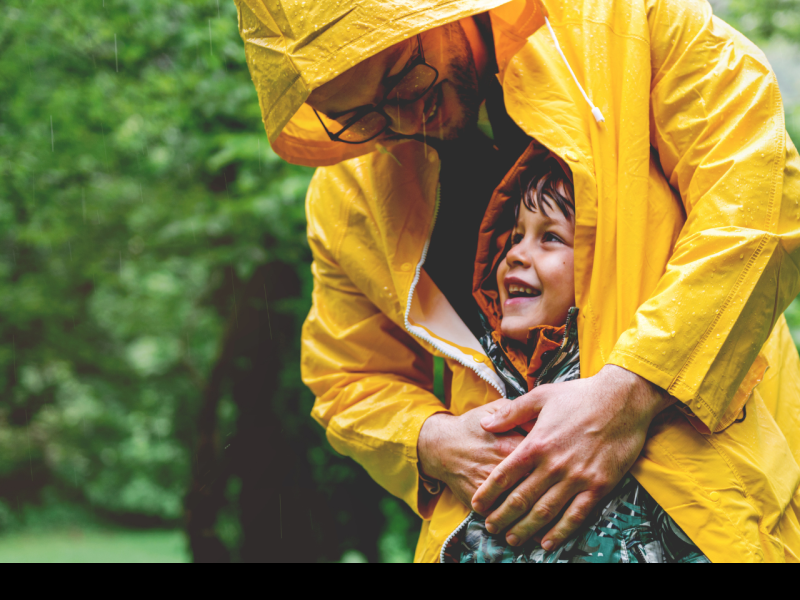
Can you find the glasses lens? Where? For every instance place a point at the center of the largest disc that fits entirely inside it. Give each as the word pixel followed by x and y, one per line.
pixel 365 128
pixel 414 85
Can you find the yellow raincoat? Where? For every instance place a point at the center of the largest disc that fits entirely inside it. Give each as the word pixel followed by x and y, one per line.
pixel 686 245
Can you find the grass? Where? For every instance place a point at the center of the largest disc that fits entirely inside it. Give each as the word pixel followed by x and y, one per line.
pixel 95 547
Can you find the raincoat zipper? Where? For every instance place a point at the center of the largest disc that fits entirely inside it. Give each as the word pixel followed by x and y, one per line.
pixel 458 530
pixel 570 317
pixel 414 283
pixel 473 514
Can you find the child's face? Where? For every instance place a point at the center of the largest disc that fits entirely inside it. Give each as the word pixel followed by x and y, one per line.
pixel 536 280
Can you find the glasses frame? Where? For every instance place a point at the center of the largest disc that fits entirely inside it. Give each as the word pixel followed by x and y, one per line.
pixel 418 60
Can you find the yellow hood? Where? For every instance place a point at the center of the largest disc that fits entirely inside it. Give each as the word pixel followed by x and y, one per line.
pixel 295 46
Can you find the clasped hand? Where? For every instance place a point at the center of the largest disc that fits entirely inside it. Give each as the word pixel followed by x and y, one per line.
pixel 587 435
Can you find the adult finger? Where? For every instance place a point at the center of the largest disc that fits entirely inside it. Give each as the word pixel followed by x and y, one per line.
pixel 511 414
pixel 543 512
pixel 575 516
pixel 519 502
pixel 515 466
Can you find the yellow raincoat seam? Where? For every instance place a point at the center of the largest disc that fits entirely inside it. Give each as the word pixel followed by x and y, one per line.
pixel 641 359
pixel 589 311
pixel 728 300
pixel 778 157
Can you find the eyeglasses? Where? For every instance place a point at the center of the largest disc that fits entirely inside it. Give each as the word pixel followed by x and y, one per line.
pixel 413 82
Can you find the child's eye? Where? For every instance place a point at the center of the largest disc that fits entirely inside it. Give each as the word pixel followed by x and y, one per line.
pixel 552 237
pixel 516 239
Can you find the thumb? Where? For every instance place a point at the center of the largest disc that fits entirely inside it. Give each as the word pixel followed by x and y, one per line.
pixel 513 414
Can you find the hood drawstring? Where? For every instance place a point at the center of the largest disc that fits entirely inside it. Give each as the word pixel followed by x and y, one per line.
pixel 598 116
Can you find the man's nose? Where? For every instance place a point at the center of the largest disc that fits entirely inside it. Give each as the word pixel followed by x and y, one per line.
pixel 406 120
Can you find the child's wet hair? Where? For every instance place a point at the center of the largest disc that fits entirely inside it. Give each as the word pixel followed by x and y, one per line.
pixel 549 185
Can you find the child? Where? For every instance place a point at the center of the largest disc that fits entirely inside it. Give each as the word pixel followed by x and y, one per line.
pixel 524 283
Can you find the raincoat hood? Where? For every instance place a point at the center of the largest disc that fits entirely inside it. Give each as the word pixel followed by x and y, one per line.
pixel 496 227
pixel 295 46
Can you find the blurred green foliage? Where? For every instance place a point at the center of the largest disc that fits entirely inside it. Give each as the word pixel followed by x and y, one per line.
pixel 138 196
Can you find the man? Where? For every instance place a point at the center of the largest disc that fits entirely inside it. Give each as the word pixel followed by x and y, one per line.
pixel 686 242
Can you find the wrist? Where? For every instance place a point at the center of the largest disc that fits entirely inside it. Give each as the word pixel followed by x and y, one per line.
pixel 429 446
pixel 645 397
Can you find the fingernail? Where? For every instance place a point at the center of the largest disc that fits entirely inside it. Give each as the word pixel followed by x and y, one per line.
pixel 548 545
pixel 487 421
pixel 491 528
pixel 477 506
pixel 512 539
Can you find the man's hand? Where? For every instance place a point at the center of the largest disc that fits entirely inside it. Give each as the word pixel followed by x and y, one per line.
pixel 459 452
pixel 588 434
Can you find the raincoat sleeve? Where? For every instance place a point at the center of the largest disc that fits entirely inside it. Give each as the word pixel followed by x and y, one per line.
pixel 373 384
pixel 718 127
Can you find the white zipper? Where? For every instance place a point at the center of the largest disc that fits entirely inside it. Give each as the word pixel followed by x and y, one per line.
pixel 450 537
pixel 424 336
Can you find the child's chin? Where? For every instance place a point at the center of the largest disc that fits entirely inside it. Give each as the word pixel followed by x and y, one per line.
pixel 516 331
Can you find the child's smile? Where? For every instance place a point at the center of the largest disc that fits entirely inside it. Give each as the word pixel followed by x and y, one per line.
pixel 520 291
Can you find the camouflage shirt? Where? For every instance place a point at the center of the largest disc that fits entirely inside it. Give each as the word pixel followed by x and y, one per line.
pixel 628 526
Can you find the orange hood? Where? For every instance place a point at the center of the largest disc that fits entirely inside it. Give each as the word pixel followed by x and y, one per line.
pixel 498 222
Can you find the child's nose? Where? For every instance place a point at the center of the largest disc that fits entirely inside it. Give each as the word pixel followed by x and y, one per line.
pixel 517 256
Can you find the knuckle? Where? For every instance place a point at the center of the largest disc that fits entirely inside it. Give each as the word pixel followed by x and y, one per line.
pixel 517 503
pixel 576 516
pixel 503 411
pixel 544 513
pixel 501 478
pixel 600 483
